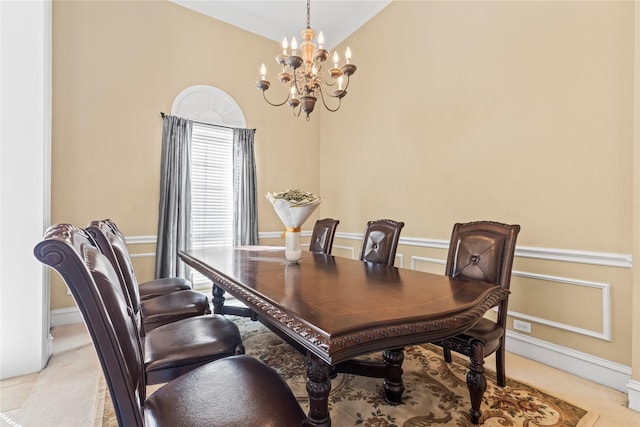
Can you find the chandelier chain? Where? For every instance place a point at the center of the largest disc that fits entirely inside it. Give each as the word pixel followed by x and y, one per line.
pixel 308 13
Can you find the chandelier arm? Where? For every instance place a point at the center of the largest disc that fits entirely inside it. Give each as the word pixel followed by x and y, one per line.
pixel 325 79
pixel 347 85
pixel 271 103
pixel 325 104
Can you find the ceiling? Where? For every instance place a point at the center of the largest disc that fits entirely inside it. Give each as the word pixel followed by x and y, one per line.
pixel 286 18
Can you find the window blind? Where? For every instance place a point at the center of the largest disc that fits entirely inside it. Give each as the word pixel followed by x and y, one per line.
pixel 211 188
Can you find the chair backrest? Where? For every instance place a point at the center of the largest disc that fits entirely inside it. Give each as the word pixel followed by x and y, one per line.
pixel 381 241
pixel 322 237
pixel 95 287
pixel 113 245
pixel 484 250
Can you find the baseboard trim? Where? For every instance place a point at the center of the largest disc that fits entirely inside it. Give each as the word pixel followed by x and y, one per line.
pixel 633 390
pixel 587 366
pixel 65 316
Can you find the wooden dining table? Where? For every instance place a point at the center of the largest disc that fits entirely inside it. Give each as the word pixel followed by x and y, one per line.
pixel 337 308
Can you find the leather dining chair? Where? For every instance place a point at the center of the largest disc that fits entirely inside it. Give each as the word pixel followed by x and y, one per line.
pixel 322 236
pixel 179 346
pixel 233 391
pixel 380 241
pixel 482 250
pixel 379 246
pixel 152 312
pixel 151 288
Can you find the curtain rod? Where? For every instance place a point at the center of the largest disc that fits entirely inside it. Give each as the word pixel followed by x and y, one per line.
pixel 162 114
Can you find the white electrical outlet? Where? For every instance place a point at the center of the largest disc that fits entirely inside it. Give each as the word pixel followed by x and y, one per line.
pixel 519 325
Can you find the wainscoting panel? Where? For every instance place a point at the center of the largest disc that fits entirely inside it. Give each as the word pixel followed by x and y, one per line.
pixel 605 298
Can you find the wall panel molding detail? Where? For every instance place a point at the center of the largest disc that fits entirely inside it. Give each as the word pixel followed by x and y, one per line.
pixel 605 288
pixel 347 248
pixel 417 259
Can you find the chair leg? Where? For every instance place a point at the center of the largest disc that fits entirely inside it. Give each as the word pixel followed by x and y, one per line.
pixel 447 354
pixel 501 376
pixel 476 381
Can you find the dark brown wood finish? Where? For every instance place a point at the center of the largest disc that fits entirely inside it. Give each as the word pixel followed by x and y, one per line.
pixel 229 385
pixel 337 308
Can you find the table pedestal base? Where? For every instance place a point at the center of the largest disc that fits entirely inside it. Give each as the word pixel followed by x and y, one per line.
pixel 390 370
pixel 220 308
pixel 393 385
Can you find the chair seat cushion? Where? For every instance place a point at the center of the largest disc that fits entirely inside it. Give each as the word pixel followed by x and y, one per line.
pixel 486 331
pixel 176 348
pixel 171 307
pixel 234 391
pixel 154 288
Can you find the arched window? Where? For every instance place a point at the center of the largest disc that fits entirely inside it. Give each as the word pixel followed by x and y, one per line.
pixel 208 105
pixel 212 112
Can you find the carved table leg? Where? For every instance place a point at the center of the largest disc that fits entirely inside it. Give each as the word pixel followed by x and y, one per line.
pixel 393 385
pixel 476 381
pixel 218 299
pixel 318 387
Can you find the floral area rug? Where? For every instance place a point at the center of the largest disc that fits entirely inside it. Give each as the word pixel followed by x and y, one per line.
pixel 435 392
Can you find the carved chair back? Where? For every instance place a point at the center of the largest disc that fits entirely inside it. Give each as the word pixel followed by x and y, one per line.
pixel 380 241
pixel 483 250
pixel 113 245
pixel 95 287
pixel 322 237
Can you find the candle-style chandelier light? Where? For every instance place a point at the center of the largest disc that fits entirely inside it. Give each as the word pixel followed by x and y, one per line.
pixel 303 77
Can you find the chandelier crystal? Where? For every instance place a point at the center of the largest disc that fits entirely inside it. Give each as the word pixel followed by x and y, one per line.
pixel 303 77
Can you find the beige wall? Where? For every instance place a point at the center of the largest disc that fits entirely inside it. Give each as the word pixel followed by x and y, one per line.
pixel 519 112
pixel 116 66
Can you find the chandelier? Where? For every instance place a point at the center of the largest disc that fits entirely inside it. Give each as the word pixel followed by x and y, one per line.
pixel 302 74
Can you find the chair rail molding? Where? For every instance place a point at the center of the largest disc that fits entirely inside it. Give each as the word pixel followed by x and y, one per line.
pixel 550 254
pixel 141 240
pixel 606 259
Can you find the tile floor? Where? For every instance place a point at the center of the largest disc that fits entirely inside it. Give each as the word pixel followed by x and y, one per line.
pixel 65 392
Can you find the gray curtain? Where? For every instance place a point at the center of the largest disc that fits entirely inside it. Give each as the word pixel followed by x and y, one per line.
pixel 174 217
pixel 245 203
